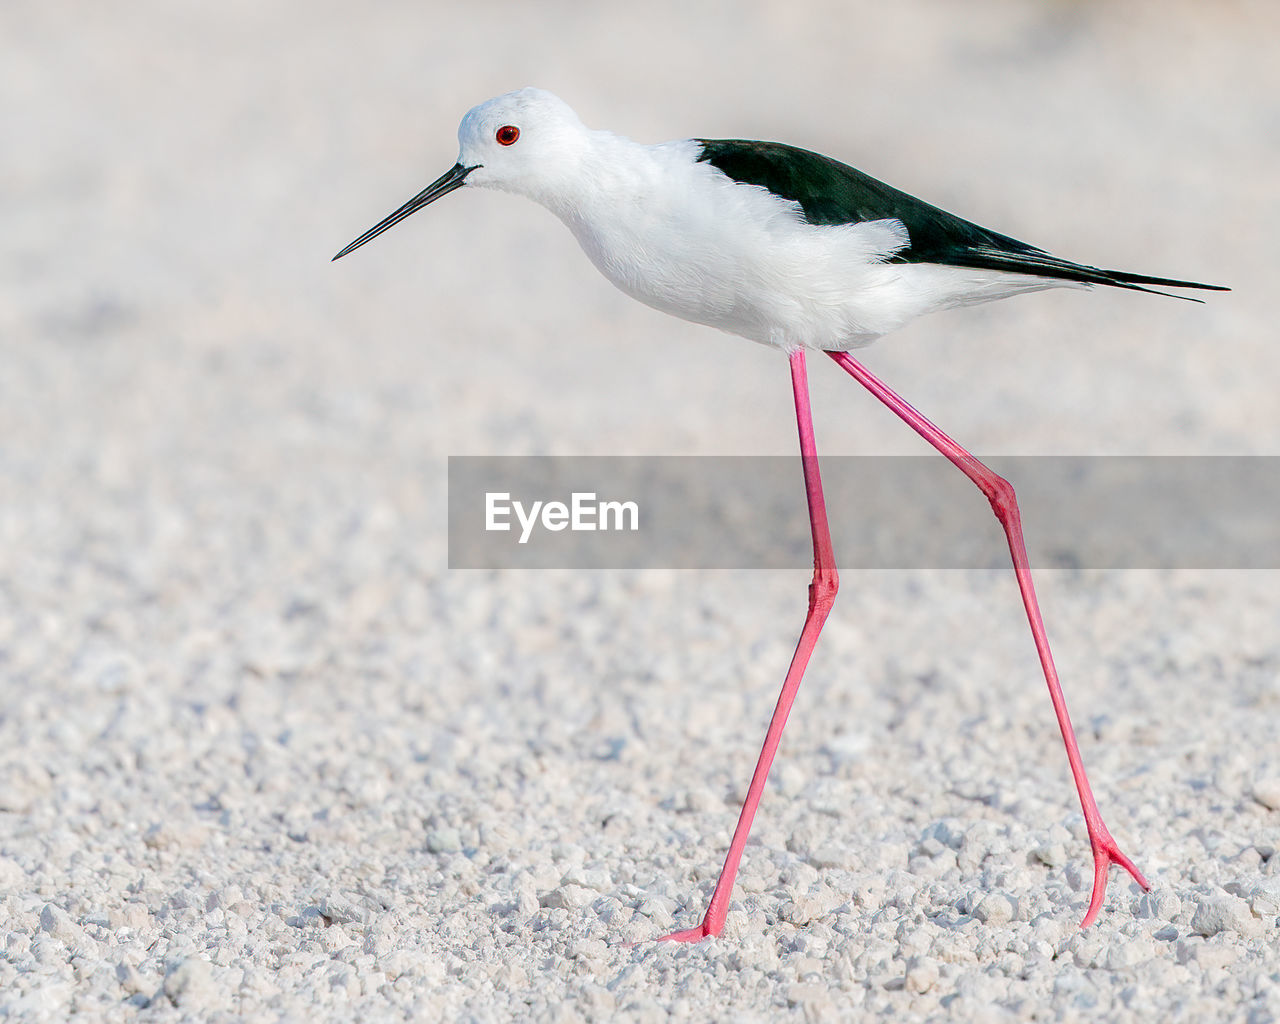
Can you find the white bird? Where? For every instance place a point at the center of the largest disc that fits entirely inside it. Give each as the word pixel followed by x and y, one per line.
pixel 791 249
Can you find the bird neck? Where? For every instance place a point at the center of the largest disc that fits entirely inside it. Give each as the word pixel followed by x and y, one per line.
pixel 614 177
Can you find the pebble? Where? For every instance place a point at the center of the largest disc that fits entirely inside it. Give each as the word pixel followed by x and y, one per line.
pixel 596 879
pixel 11 874
pixel 1052 855
pixel 921 976
pixel 1267 792
pixel 979 840
pixel 189 985
pixel 995 908
pixel 129 978
pixel 1125 953
pixel 57 922
pixel 947 832
pixel 834 855
pixel 1264 898
pixel 1221 912
pixel 659 909
pixel 1207 956
pixel 1161 904
pixel 443 840
pixel 1088 949
pixel 567 897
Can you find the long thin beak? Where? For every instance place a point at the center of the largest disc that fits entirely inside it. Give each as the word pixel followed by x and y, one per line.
pixel 446 183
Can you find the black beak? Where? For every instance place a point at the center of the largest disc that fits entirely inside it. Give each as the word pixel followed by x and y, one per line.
pixel 451 179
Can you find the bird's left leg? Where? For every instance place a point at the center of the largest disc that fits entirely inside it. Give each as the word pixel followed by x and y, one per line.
pixel 1004 504
pixel 822 595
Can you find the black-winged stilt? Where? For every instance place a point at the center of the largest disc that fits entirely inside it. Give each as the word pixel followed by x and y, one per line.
pixel 791 249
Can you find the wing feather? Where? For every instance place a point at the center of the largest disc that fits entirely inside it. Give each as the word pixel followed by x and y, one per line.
pixel 830 193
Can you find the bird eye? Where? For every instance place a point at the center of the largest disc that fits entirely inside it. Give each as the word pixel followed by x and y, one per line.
pixel 507 134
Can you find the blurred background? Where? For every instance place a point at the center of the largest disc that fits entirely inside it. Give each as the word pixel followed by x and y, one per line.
pixel 222 457
pixel 176 178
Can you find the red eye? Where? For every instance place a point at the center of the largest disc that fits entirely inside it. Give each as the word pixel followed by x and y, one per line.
pixel 507 134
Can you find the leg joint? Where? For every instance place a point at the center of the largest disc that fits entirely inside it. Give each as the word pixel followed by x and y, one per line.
pixel 823 589
pixel 1003 498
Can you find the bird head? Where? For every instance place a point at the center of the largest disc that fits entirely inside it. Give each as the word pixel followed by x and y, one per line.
pixel 527 142
pixel 521 142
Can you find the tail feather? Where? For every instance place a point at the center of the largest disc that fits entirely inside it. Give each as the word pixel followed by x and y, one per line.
pixel 1040 264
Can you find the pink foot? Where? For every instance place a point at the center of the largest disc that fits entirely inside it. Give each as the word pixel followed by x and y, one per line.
pixel 688 935
pixel 1106 853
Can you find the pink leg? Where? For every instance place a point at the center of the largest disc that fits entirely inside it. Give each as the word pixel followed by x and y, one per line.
pixel 1005 505
pixel 822 595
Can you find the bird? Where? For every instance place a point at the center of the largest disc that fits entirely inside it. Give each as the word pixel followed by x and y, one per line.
pixel 794 250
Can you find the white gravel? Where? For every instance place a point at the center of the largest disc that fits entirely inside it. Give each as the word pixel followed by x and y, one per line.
pixel 263 757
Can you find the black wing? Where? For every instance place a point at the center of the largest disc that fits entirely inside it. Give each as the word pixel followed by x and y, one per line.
pixel 830 192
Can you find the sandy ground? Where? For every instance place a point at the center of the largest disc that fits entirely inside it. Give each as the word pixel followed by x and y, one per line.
pixel 262 756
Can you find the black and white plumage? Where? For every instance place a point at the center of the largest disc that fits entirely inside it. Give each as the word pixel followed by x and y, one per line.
pixel 760 239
